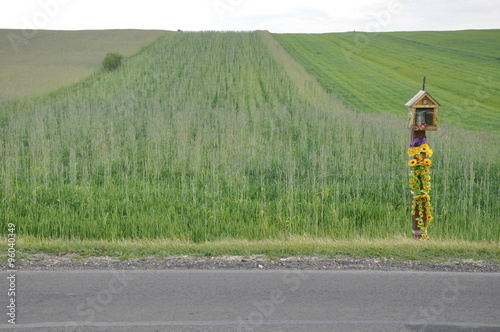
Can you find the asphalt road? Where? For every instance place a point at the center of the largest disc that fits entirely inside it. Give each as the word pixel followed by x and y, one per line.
pixel 250 301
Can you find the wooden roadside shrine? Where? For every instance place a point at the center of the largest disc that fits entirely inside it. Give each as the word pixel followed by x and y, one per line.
pixel 422 117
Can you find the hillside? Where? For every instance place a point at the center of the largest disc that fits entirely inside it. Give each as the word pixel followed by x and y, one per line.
pixel 213 136
pixel 380 72
pixel 52 59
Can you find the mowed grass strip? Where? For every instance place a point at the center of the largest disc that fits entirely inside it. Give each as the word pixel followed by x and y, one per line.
pixel 397 249
pixel 379 72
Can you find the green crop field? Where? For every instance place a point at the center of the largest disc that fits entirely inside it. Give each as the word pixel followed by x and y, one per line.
pixel 380 72
pixel 37 62
pixel 219 136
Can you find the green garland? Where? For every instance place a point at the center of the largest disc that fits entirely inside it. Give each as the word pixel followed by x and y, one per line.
pixel 420 184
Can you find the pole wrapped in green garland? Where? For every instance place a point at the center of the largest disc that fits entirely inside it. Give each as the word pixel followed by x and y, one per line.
pixel 420 185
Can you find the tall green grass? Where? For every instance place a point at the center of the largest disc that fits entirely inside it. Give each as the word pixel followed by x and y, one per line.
pixel 210 136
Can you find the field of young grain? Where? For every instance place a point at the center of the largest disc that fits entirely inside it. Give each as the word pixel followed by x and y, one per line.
pixel 213 136
pixel 379 72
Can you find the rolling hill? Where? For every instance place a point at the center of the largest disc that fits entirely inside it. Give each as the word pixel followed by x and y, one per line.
pixel 380 72
pixel 48 60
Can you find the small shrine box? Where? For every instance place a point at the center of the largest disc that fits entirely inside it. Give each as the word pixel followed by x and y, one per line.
pixel 422 112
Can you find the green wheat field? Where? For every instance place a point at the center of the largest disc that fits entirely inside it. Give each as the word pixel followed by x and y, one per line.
pixel 213 136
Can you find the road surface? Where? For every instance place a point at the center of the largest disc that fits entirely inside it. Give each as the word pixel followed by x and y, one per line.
pixel 250 301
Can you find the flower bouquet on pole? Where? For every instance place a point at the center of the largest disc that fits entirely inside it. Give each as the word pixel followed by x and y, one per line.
pixel 420 185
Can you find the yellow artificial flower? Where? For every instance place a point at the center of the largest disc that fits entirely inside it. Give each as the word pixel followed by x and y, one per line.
pixel 412 163
pixel 427 150
pixel 427 162
pixel 430 217
pixel 424 236
pixel 414 151
pixel 425 171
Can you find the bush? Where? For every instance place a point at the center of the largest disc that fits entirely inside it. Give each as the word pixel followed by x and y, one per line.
pixel 112 61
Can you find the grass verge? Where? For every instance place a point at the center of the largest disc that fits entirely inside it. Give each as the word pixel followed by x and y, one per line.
pixel 396 248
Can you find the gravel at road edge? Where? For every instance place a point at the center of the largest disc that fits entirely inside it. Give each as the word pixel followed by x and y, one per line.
pixel 71 262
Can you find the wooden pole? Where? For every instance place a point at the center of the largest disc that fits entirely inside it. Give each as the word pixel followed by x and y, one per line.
pixel 417 233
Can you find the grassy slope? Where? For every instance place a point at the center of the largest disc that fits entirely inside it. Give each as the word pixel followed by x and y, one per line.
pixel 380 72
pixel 209 136
pixel 51 59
